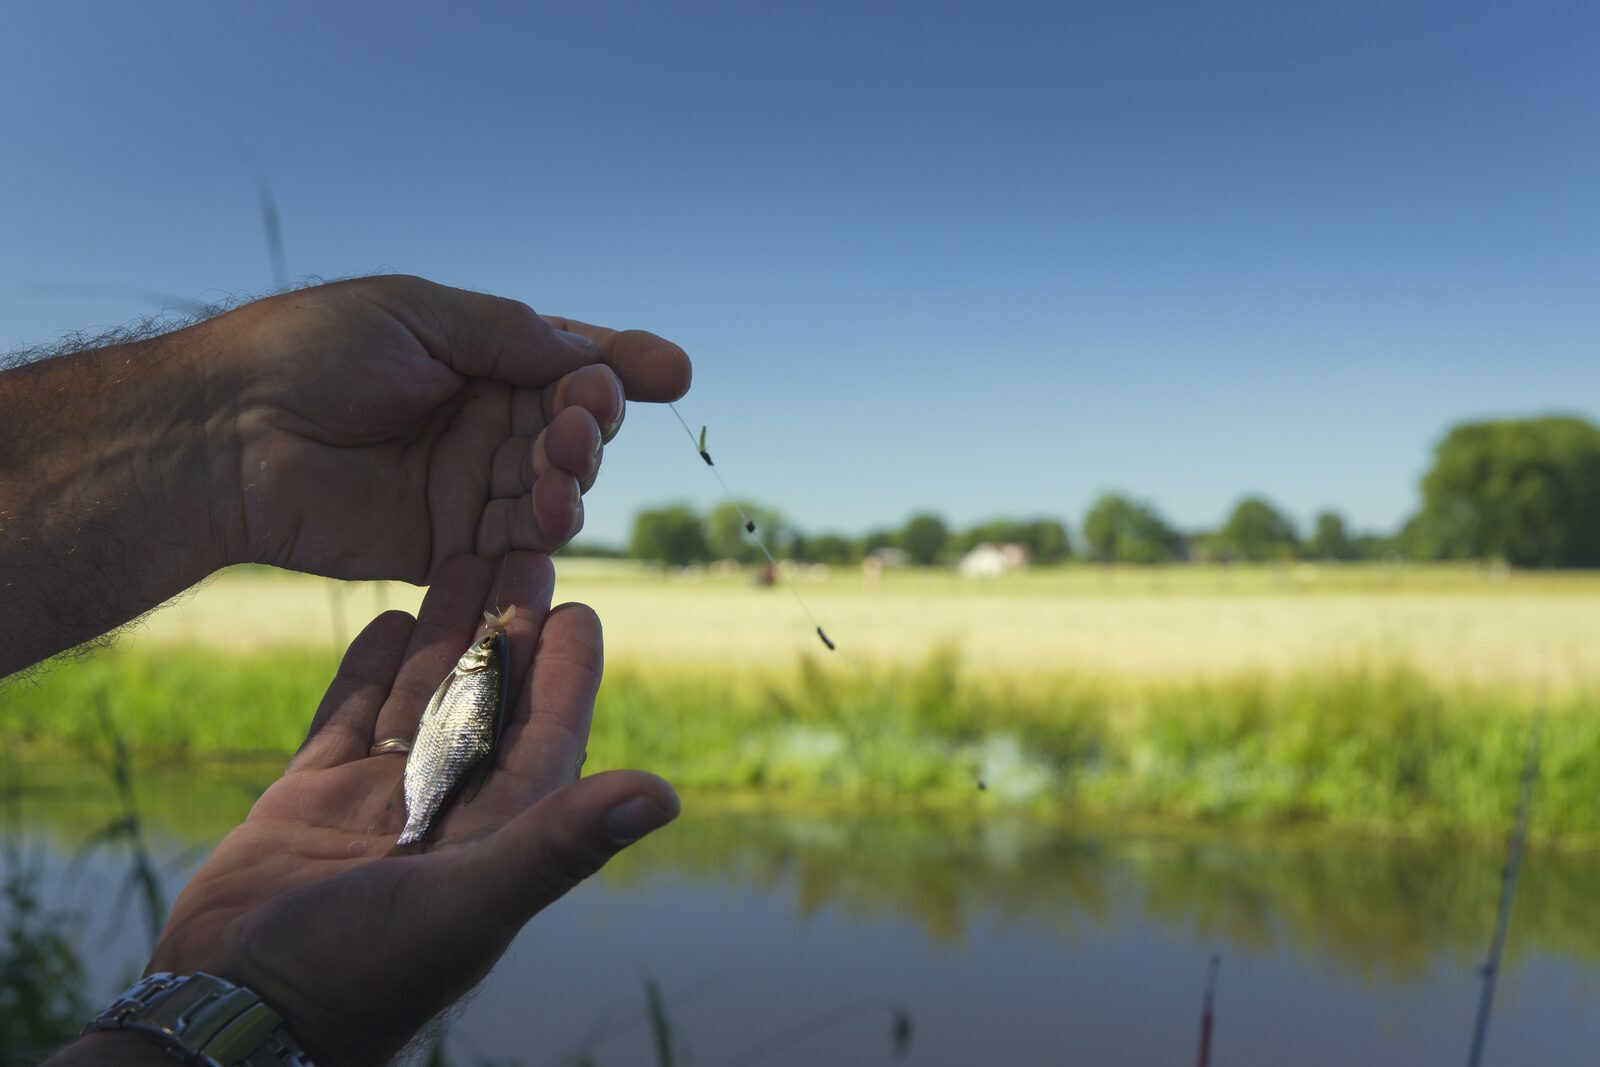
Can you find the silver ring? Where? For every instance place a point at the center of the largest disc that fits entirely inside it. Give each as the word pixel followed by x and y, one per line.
pixel 402 745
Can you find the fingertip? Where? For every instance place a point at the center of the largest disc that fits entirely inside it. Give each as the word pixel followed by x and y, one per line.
pixel 388 623
pixel 651 368
pixel 557 510
pixel 573 441
pixel 683 370
pixel 578 614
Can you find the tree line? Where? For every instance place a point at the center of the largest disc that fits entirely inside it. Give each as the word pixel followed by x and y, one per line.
pixel 1526 491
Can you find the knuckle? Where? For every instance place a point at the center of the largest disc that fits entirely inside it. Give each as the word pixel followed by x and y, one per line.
pixel 523 321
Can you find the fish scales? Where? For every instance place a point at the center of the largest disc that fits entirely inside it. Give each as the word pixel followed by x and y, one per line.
pixel 459 729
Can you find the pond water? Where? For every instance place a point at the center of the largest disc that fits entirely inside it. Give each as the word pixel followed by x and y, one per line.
pixel 782 938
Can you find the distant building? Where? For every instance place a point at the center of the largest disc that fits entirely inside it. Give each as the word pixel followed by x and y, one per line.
pixel 991 561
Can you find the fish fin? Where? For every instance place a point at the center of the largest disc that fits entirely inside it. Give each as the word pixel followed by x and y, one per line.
pixel 413 849
pixel 433 704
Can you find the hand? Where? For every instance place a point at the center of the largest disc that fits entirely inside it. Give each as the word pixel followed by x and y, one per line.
pixel 387 424
pixel 358 949
pixel 367 429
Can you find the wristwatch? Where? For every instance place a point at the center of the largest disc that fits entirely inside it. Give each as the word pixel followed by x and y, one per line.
pixel 203 1020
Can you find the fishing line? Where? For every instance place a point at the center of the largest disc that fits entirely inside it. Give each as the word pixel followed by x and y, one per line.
pixel 699 445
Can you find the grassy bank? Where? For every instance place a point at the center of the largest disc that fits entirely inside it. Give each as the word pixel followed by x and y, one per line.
pixel 1372 747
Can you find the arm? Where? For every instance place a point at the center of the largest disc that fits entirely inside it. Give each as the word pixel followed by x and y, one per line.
pixel 105 460
pixel 365 429
pixel 303 902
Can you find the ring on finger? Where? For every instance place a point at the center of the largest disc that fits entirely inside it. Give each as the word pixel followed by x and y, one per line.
pixel 401 745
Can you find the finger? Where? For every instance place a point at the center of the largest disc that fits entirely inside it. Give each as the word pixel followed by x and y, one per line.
pixel 485 336
pixel 512 473
pixel 459 480
pixel 596 390
pixel 527 582
pixel 571 443
pixel 527 411
pixel 449 616
pixel 651 368
pixel 545 742
pixel 544 851
pixel 541 521
pixel 341 730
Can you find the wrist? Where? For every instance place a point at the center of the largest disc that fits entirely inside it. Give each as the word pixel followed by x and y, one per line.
pixel 111 1046
pixel 272 975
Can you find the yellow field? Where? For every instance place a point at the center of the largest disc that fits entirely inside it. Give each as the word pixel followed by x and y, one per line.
pixel 1454 624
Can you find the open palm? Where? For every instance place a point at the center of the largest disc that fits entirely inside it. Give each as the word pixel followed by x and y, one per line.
pixel 358 948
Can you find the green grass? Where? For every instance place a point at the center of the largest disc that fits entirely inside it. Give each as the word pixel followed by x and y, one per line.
pixel 1374 747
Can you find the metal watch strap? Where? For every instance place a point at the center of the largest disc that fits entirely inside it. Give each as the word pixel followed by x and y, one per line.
pixel 205 1020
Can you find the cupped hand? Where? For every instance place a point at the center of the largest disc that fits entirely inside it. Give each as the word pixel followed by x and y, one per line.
pixel 386 424
pixel 355 947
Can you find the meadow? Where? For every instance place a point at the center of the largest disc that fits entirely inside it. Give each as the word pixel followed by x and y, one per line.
pixel 1378 699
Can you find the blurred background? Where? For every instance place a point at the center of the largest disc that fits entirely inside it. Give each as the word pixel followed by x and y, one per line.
pixel 1183 419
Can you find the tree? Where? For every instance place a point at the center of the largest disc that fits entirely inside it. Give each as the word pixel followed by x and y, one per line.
pixel 672 535
pixel 924 539
pixel 1257 532
pixel 825 548
pixel 1047 541
pixel 726 537
pixel 1330 540
pixel 1120 530
pixel 1523 490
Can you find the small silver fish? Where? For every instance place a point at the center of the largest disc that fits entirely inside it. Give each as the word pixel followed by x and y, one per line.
pixel 459 729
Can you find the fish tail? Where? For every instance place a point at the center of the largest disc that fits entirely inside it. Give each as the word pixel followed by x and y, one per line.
pixel 410 848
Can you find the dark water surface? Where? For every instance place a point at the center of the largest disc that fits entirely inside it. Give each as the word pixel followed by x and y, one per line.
pixel 794 939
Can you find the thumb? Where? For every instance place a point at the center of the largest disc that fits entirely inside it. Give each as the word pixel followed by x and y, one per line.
pixel 484 336
pixel 538 856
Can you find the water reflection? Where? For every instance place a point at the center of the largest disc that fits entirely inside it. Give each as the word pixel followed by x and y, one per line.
pixel 1381 909
pixel 979 893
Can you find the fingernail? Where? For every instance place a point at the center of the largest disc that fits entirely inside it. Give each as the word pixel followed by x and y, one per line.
pixel 577 518
pixel 576 339
pixel 635 817
pixel 622 409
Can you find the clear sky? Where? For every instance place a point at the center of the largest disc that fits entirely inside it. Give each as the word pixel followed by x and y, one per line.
pixel 984 259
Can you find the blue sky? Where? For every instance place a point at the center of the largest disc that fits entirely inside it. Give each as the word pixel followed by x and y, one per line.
pixel 983 259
